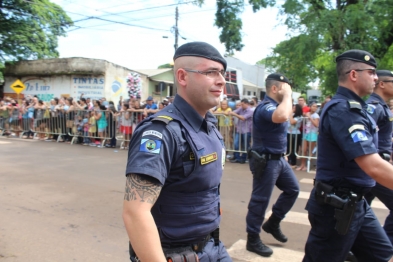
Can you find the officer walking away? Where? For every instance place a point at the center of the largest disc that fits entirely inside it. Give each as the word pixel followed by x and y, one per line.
pixel 380 112
pixel 175 161
pixel 268 165
pixel 348 164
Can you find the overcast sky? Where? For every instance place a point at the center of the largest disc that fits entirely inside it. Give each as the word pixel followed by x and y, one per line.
pixel 142 46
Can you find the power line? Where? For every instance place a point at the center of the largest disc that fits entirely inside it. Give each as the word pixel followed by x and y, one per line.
pixel 123 23
pixel 137 20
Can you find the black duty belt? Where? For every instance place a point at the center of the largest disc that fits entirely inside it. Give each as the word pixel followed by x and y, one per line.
pixel 274 156
pixel 196 247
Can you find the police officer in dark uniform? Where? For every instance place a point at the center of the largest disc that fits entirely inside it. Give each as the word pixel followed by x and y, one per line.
pixel 380 112
pixel 348 164
pixel 175 162
pixel 268 165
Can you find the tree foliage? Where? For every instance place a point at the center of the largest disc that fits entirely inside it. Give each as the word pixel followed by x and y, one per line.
pixel 318 30
pixel 29 29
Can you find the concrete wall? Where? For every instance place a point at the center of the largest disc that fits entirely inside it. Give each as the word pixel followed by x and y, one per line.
pixel 51 78
pixel 252 73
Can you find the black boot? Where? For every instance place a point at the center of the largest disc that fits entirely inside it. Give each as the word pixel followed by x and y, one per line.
pixel 351 257
pixel 254 244
pixel 272 226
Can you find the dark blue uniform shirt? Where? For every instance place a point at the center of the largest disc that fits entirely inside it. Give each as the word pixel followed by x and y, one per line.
pixel 380 112
pixel 186 154
pixel 345 133
pixel 268 137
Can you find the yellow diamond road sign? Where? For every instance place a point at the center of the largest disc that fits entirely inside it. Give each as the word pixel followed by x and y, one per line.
pixel 18 86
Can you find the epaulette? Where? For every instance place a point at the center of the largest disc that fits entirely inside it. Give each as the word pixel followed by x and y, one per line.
pixel 374 102
pixel 354 104
pixel 165 119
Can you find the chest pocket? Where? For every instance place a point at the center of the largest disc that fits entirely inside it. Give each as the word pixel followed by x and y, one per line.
pixel 188 162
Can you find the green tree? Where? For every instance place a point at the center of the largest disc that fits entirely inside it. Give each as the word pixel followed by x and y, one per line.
pixel 29 29
pixel 318 31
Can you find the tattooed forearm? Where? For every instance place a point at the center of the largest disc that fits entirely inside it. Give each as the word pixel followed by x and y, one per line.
pixel 140 188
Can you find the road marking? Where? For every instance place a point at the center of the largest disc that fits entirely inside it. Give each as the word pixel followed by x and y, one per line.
pixel 294 217
pixel 307 181
pixel 238 251
pixel 1 142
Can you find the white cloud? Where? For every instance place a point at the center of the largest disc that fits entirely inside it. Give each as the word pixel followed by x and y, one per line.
pixel 138 48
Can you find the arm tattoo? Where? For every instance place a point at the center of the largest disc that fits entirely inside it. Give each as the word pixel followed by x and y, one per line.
pixel 140 187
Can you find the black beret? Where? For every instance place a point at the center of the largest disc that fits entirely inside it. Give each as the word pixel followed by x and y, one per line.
pixel 358 56
pixel 200 49
pixel 278 77
pixel 384 73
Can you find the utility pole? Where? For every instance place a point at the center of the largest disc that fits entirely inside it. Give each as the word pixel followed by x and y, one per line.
pixel 176 28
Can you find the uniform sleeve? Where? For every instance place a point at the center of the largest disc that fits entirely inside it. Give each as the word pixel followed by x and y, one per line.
pixel 266 112
pixel 151 151
pixel 351 131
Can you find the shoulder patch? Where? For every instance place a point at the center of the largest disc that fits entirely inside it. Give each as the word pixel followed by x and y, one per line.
pixel 358 136
pixel 150 146
pixel 370 109
pixel 354 104
pixel 270 108
pixel 165 119
pixel 152 133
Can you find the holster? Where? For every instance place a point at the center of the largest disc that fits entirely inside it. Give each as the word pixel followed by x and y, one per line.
pixel 345 205
pixel 180 254
pixel 259 163
pixel 385 156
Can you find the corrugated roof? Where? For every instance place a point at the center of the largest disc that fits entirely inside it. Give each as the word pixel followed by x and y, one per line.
pixel 153 72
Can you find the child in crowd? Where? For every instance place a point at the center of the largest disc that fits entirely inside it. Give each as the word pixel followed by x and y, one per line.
pixel 125 125
pixel 92 128
pixel 85 122
pixel 310 134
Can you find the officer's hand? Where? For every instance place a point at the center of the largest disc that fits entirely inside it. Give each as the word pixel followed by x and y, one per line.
pixel 285 90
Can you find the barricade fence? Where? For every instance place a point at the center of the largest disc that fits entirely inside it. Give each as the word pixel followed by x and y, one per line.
pixel 302 143
pixel 96 127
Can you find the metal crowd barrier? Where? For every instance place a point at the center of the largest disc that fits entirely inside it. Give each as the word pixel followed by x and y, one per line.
pixel 234 132
pixel 309 139
pixel 127 123
pixel 83 127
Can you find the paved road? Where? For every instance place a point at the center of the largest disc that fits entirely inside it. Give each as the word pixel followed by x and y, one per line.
pixel 63 203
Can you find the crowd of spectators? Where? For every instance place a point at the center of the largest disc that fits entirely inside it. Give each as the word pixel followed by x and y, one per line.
pixel 100 122
pixel 86 121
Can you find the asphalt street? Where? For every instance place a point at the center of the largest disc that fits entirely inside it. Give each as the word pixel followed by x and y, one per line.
pixel 61 202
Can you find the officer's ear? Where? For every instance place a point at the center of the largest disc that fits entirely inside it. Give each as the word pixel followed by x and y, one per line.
pixel 181 77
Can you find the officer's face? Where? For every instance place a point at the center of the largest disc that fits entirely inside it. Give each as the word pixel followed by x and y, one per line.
pixel 366 81
pixel 203 91
pixel 388 90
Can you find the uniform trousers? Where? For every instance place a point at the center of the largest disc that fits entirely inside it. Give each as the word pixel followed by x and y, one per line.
pixel 277 173
pixel 365 237
pixel 386 196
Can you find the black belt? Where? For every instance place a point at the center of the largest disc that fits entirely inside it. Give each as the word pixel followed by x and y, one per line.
pixel 274 156
pixel 197 247
pixel 344 191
